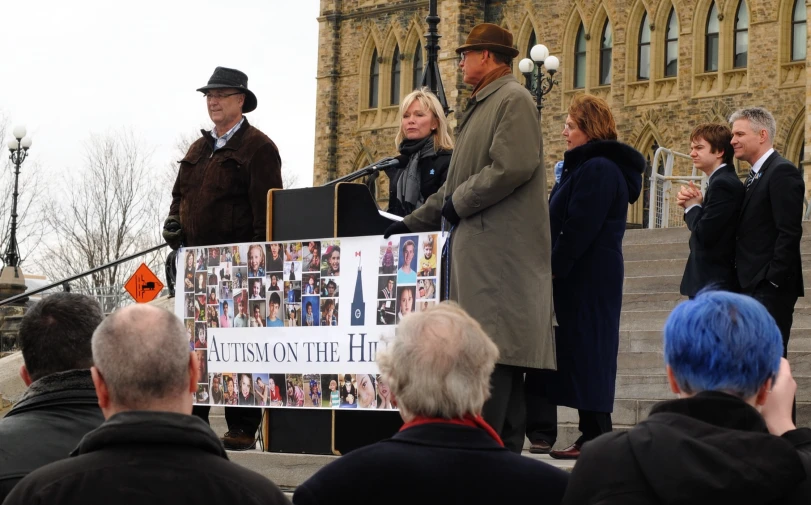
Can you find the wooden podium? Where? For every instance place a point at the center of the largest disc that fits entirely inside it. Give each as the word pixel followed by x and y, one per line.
pixel 340 210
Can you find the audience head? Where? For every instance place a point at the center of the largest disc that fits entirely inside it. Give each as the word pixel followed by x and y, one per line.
pixel 55 335
pixel 439 364
pixel 142 362
pixel 722 341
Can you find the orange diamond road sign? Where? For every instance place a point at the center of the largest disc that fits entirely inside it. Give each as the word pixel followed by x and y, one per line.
pixel 144 285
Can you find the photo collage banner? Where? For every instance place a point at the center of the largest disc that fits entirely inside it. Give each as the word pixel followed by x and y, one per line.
pixel 298 324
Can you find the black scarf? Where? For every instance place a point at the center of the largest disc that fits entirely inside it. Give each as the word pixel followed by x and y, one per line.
pixel 410 182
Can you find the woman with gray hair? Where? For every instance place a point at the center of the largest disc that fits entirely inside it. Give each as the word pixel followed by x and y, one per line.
pixel 439 365
pixel 425 146
pixel 437 369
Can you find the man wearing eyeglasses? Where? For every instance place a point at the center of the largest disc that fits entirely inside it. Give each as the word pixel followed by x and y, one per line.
pixel 220 197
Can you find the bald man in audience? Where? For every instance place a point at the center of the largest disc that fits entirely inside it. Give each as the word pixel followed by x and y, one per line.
pixel 150 449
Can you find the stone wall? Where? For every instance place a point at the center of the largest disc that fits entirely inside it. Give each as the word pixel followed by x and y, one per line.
pixel 662 109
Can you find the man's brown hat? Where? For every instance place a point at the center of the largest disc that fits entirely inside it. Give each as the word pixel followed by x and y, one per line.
pixel 490 37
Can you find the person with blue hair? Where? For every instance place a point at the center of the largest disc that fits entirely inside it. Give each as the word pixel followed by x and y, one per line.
pixel 729 438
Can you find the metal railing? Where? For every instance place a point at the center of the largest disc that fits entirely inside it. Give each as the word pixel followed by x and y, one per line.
pixel 110 297
pixel 662 191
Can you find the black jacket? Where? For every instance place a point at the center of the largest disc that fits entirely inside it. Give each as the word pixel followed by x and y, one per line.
pixel 433 172
pixel 710 449
pixel 770 229
pixel 712 243
pixel 434 463
pixel 46 424
pixel 150 458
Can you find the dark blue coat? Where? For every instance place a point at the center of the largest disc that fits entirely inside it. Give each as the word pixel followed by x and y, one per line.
pixel 587 212
pixel 434 463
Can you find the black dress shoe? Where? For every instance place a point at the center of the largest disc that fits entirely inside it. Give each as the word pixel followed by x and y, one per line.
pixel 238 440
pixel 571 452
pixel 540 447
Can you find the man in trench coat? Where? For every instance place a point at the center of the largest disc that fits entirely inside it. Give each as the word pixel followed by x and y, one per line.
pixel 494 202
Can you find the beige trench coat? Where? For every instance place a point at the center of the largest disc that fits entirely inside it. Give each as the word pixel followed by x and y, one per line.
pixel 500 250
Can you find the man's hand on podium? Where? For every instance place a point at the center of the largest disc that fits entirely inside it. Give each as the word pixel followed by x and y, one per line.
pixel 396 228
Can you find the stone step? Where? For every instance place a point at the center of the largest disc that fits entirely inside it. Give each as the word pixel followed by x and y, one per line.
pixel 641 252
pixel 651 301
pixel 654 320
pixel 669 283
pixel 675 266
pixel 682 234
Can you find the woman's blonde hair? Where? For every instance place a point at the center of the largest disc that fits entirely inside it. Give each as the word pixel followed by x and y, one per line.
pixel 593 117
pixel 429 101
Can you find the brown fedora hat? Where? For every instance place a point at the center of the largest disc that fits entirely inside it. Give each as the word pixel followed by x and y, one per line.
pixel 490 37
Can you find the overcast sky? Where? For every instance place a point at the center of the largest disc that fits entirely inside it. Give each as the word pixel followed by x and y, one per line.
pixel 90 66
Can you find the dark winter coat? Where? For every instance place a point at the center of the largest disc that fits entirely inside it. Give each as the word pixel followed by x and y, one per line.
pixel 714 225
pixel 46 424
pixel 707 450
pixel 221 197
pixel 498 187
pixel 433 172
pixel 150 458
pixel 588 211
pixel 434 463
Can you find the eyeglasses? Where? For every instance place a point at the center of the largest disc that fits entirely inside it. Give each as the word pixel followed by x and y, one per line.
pixel 464 54
pixel 220 96
pixel 569 127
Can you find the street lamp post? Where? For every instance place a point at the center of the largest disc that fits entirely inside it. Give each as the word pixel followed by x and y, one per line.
pixel 430 75
pixel 543 82
pixel 18 146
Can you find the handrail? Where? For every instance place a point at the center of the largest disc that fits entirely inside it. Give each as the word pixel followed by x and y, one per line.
pixel 667 178
pixel 22 296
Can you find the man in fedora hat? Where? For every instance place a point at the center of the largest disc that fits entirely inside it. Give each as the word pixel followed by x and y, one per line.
pixel 495 193
pixel 220 196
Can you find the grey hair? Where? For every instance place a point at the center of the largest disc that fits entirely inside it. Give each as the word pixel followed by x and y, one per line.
pixel 143 354
pixel 759 118
pixel 439 364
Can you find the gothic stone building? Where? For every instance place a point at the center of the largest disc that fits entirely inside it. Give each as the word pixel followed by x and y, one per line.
pixel 663 65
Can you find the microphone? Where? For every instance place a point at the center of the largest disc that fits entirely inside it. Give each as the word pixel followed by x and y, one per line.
pixel 385 163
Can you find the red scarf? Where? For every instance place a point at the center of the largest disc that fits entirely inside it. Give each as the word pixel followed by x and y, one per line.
pixel 469 420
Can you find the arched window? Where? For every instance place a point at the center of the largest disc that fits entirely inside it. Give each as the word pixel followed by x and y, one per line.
pixel 741 49
pixel 374 80
pixel 395 77
pixel 672 45
pixel 643 57
pixel 798 31
pixel 580 58
pixel 711 42
pixel 606 44
pixel 416 78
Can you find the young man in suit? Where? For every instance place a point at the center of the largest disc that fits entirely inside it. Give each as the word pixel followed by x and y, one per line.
pixel 713 217
pixel 770 227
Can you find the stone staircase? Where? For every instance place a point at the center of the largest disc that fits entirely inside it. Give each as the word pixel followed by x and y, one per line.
pixel 654 264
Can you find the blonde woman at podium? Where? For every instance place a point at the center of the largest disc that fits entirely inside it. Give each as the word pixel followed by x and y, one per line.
pixel 425 145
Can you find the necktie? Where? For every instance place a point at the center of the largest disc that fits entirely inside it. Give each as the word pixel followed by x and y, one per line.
pixel 750 178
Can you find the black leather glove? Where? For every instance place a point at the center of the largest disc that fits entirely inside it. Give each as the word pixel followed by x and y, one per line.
pixel 173 232
pixel 449 212
pixel 396 228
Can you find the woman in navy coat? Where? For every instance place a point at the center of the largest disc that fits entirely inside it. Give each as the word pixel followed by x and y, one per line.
pixel 588 210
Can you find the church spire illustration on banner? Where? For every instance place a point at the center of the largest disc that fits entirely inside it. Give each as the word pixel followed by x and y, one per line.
pixel 358 306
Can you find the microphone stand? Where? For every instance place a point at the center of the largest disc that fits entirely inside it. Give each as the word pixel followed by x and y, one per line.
pixel 367 170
